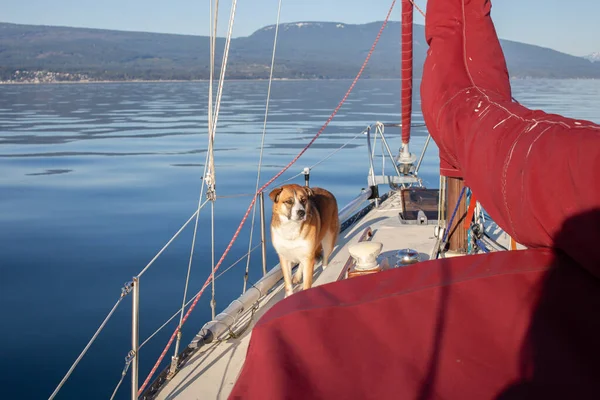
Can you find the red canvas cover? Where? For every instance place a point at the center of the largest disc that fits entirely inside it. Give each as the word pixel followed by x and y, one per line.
pixel 506 325
pixel 509 325
pixel 532 171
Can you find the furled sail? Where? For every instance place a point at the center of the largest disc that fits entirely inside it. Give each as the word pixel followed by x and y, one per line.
pixel 532 171
pixel 407 69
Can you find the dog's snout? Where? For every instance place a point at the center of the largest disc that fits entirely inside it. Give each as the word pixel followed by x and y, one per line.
pixel 301 213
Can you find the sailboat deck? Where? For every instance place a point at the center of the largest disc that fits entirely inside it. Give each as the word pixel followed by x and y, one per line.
pixel 213 370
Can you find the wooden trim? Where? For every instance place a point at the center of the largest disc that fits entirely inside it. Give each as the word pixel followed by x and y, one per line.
pixel 457 239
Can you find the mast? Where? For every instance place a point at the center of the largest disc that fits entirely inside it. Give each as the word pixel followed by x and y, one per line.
pixel 405 158
pixel 407 69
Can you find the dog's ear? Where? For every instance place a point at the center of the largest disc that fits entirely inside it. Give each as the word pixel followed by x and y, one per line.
pixel 309 192
pixel 274 195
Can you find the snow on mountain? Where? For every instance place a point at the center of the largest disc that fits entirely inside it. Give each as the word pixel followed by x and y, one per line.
pixel 594 57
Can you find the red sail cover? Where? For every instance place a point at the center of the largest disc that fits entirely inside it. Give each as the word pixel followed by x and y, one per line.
pixel 532 171
pixel 507 325
pixel 407 68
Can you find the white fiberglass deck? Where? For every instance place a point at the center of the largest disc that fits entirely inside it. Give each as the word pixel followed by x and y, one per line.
pixel 213 370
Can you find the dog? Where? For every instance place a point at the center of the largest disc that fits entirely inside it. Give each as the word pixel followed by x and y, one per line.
pixel 304 223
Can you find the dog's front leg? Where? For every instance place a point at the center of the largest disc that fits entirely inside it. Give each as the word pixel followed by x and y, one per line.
pixel 308 267
pixel 286 268
pixel 298 275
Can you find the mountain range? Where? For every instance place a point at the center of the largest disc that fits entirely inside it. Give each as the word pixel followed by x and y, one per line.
pixel 593 57
pixel 305 50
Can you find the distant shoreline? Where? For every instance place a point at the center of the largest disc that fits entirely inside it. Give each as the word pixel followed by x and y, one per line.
pixel 182 81
pixel 191 81
pixel 307 51
pixel 253 80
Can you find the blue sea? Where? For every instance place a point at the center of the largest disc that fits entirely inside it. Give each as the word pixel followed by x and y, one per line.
pixel 96 178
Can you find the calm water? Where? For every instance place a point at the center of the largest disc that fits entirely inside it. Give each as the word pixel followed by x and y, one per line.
pixel 96 178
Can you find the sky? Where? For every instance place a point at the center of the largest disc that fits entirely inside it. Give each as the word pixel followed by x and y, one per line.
pixel 568 26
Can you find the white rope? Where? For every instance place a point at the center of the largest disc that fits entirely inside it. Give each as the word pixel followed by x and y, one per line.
pixel 193 247
pixel 223 68
pixel 102 325
pixel 171 240
pixel 123 374
pixel 165 324
pixel 231 196
pixel 213 302
pixel 262 143
pixel 86 348
pixel 371 149
pixel 193 298
pixel 382 158
pixel 213 33
pixel 329 156
pixel 209 177
pixel 213 36
pixel 335 151
pixel 324 159
pixel 237 262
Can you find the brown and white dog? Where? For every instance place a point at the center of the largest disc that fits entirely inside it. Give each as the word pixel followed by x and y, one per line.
pixel 304 223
